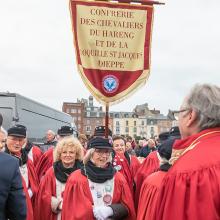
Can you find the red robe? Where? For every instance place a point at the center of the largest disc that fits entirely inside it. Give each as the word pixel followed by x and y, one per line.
pixel 33 181
pixel 191 188
pixel 30 215
pixel 34 155
pixel 148 195
pixel 124 168
pixel 134 166
pixel 78 202
pixel 47 189
pixel 45 162
pixel 149 165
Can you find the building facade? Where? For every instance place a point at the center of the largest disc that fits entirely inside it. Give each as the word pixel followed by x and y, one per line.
pixel 141 122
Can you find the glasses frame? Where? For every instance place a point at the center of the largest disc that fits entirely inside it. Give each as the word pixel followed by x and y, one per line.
pixel 179 111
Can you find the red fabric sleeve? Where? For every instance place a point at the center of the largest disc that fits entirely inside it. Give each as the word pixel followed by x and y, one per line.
pixel 77 199
pixel 148 195
pixel 30 215
pixel 47 189
pixel 37 153
pixel 149 165
pixel 45 162
pixel 123 195
pixel 190 195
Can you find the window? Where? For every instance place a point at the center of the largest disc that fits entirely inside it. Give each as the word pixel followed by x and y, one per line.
pixel 88 128
pixel 79 110
pixel 126 123
pixel 127 129
pixel 135 123
pixel 73 110
pixel 88 114
pixel 117 123
pixel 118 130
pixel 135 129
pixel 142 122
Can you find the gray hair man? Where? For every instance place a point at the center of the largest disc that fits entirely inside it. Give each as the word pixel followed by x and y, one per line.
pixel 190 189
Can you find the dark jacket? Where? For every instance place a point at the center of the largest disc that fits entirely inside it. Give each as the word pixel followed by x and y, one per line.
pixel 12 198
pixel 146 150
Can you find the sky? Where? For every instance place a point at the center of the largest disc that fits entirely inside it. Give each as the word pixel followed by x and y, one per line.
pixel 37 57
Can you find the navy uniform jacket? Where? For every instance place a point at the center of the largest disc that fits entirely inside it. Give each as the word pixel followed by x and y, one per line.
pixel 12 198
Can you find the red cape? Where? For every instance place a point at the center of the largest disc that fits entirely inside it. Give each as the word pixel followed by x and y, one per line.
pixel 190 190
pixel 121 161
pixel 33 179
pixel 30 215
pixel 135 165
pixel 148 195
pixel 47 189
pixel 45 162
pixel 78 202
pixel 149 165
pixel 37 153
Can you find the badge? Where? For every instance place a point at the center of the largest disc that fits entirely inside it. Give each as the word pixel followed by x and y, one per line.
pixel 99 195
pixel 118 167
pixel 107 199
pixel 108 188
pixel 110 83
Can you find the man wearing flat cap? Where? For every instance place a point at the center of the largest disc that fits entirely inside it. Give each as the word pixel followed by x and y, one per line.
pixel 11 190
pixel 15 141
pixel 46 161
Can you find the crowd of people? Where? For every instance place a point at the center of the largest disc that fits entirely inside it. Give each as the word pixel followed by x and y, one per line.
pixel 175 176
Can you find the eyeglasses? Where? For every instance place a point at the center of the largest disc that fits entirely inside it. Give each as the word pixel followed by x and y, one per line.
pixel 101 152
pixel 177 113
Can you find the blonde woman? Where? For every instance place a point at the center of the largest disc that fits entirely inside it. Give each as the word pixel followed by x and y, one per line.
pixel 97 191
pixel 67 159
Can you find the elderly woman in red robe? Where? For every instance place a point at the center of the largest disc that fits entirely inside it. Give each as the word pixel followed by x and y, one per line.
pixel 97 191
pixel 67 156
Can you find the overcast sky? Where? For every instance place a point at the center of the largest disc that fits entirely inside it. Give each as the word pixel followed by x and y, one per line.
pixel 37 58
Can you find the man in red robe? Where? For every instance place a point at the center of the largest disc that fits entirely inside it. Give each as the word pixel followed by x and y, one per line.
pixel 15 141
pixel 190 190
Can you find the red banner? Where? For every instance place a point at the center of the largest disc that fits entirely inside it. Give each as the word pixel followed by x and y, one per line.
pixel 113 43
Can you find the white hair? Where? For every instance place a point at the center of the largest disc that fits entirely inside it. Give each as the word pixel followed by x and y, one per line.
pixel 205 100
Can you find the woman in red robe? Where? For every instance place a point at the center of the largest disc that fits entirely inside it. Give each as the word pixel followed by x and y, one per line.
pixel 97 191
pixel 126 164
pixel 68 155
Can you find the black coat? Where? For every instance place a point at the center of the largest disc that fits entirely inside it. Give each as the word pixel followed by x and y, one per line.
pixel 12 198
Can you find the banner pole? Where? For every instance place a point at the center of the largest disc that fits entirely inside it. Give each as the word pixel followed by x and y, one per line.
pixel 106 119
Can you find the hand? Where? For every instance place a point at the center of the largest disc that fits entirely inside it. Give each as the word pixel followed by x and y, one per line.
pixel 102 212
pixel 30 193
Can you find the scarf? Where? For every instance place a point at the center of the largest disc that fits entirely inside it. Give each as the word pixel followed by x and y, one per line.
pixel 98 174
pixel 22 159
pixel 62 173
